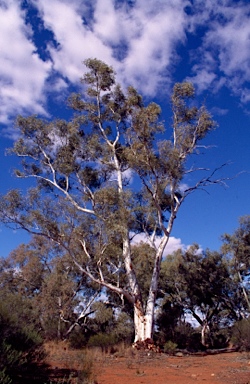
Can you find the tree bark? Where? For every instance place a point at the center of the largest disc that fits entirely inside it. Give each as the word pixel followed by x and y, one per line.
pixel 243 290
pixel 144 320
pixel 204 332
pixel 139 323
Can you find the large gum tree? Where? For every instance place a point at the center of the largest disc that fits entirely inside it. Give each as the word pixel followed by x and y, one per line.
pixel 110 173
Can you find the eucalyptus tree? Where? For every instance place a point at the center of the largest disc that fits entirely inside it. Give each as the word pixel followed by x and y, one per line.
pixel 200 284
pixel 107 175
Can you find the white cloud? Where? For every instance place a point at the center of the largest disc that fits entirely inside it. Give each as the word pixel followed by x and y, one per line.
pixel 202 79
pixel 156 29
pixel 224 56
pixel 219 111
pixel 109 22
pixel 147 34
pixel 173 243
pixel 183 187
pixel 76 41
pixel 22 72
pixel 140 41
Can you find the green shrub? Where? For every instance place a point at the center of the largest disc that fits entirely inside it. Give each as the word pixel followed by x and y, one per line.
pixel 20 344
pixel 102 340
pixel 77 339
pixel 169 347
pixel 241 334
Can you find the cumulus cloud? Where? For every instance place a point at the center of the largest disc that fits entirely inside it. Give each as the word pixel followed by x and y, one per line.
pixel 22 72
pixel 173 243
pixel 139 39
pixel 224 55
pixel 156 28
pixel 75 40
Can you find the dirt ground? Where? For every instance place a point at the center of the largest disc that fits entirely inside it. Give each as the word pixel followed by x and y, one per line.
pixel 230 368
pixel 137 367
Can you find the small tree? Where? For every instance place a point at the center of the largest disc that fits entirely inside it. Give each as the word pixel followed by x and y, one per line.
pixel 60 297
pixel 86 166
pixel 200 284
pixel 237 248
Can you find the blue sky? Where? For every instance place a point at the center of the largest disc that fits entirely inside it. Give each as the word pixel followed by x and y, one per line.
pixel 151 44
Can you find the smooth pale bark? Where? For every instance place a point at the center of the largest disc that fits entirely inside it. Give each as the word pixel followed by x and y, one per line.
pixel 139 323
pixel 204 332
pixel 144 321
pixel 150 309
pixel 139 317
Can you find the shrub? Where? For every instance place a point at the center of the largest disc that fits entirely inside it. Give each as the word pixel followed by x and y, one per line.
pixel 169 347
pixel 102 340
pixel 241 334
pixel 20 344
pixel 77 339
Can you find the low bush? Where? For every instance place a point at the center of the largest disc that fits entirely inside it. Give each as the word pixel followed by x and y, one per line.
pixel 169 347
pixel 241 334
pixel 102 340
pixel 20 345
pixel 77 339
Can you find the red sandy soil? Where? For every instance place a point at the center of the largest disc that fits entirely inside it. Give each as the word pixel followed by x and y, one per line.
pixel 137 367
pixel 230 368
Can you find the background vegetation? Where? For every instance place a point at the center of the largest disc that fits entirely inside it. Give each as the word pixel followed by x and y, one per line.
pixel 202 304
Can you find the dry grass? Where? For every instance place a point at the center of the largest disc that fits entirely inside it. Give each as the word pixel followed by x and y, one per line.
pixel 70 366
pixel 73 366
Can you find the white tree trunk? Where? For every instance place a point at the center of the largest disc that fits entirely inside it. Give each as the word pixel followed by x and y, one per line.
pixel 139 324
pixel 150 309
pixel 143 325
pixel 204 332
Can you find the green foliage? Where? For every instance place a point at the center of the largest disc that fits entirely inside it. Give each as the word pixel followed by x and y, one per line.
pixel 143 259
pixel 100 74
pixel 198 283
pixel 103 317
pixel 220 336
pixel 47 277
pixel 20 344
pixel 184 336
pixel 102 340
pixel 169 347
pixel 123 328
pixel 236 247
pixel 241 334
pixel 167 321
pixel 187 132
pixel 78 339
